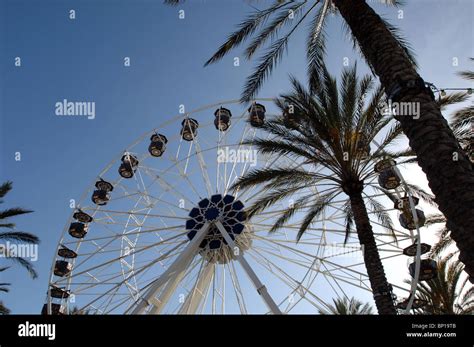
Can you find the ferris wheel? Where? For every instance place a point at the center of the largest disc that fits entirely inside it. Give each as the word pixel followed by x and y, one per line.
pixel 161 231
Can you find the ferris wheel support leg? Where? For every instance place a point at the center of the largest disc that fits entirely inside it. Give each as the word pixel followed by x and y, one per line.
pixel 171 276
pixel 195 297
pixel 261 289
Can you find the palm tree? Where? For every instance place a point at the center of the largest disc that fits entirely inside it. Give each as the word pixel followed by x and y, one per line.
pixel 446 293
pixel 337 128
pixel 346 306
pixel 389 58
pixel 14 235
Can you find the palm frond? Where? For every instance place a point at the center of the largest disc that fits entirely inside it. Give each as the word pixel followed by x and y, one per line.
pixel 7 225
pixel 19 236
pixel 436 218
pixel 348 219
pixel 316 46
pixel 290 212
pixel 3 309
pixel 396 3
pixel 266 175
pixel 272 29
pixel 349 96
pixel 442 244
pixel 392 134
pixel 279 147
pixel 422 194
pixel 12 212
pixel 268 61
pixel 468 75
pixel 26 265
pixel 463 118
pixel 383 217
pixel 270 199
pixel 451 99
pixel 315 210
pixel 245 29
pixel 408 152
pixel 5 188
pixel 173 2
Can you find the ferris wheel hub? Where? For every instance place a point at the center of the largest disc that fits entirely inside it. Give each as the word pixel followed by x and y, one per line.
pixel 226 210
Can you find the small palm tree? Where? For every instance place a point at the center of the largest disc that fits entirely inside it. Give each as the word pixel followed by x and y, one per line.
pixel 335 128
pixel 14 235
pixel 447 293
pixel 4 289
pixel 347 307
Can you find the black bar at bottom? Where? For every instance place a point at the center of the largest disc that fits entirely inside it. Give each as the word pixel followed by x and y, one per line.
pixel 92 330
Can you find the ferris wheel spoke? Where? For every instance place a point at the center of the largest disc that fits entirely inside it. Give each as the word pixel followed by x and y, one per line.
pixel 303 263
pixel 147 266
pixel 147 195
pixel 116 301
pixel 228 178
pixel 337 279
pixel 277 271
pixel 117 236
pixel 196 295
pixel 171 276
pixel 247 192
pixel 203 166
pixel 83 287
pixel 289 280
pixel 237 288
pixel 185 175
pixel 331 276
pixel 191 275
pixel 120 257
pixel 116 250
pixel 126 213
pixel 172 188
pixel 347 268
pixel 222 142
pixel 259 286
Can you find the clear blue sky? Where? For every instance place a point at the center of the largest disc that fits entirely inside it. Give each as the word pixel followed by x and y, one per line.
pixel 83 60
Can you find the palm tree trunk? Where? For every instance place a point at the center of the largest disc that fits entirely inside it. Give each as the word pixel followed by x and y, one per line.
pixel 373 264
pixel 451 180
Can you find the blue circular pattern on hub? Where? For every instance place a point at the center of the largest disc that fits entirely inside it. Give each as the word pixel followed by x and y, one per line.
pixel 226 209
